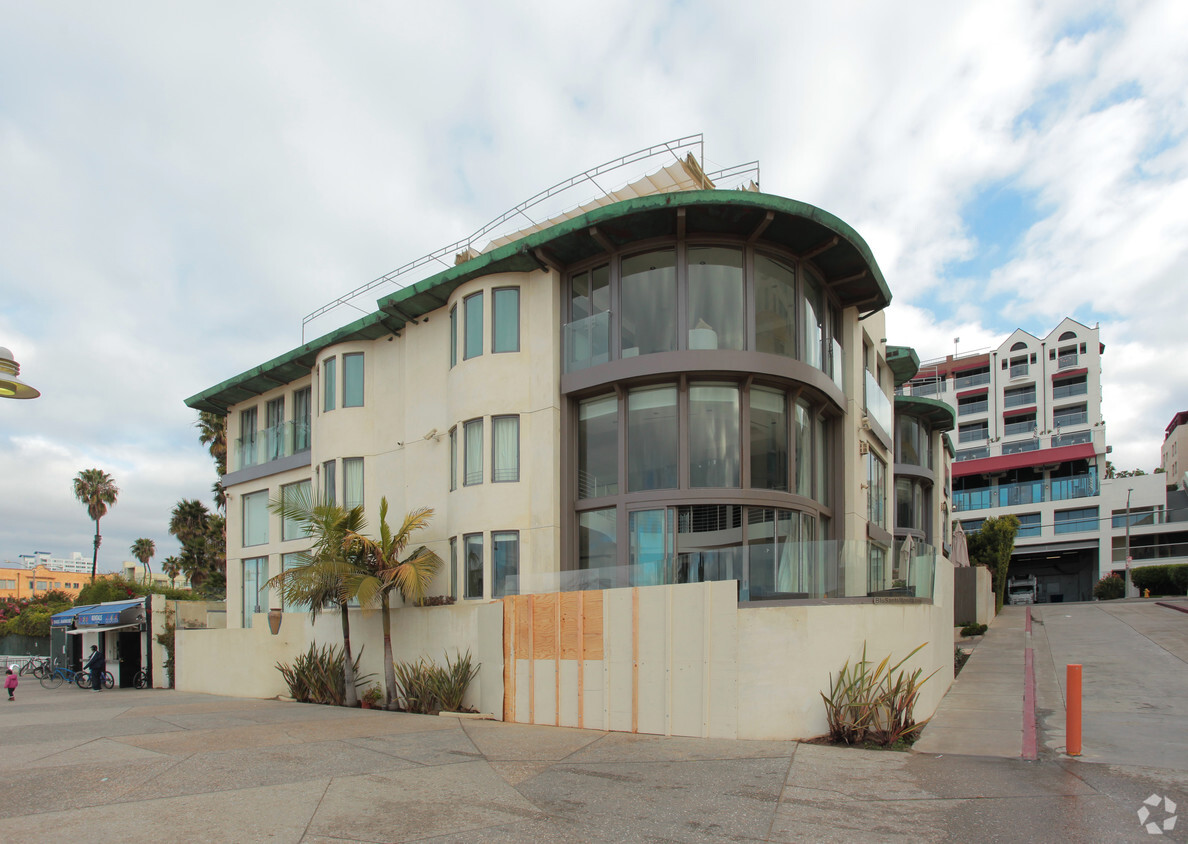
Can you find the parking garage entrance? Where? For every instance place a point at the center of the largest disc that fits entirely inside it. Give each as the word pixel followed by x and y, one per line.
pixel 1063 571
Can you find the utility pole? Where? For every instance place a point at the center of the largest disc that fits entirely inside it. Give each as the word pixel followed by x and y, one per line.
pixel 1126 573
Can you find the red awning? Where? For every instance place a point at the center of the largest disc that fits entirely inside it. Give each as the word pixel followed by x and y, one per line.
pixel 974 392
pixel 1068 373
pixel 1015 411
pixel 1006 462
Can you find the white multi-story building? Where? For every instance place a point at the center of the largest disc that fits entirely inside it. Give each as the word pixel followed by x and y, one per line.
pixel 76 562
pixel 1172 459
pixel 1031 442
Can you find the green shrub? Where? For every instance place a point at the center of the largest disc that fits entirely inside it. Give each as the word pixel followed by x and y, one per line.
pixel 427 688
pixel 116 588
pixel 1109 588
pixel 960 657
pixel 973 629
pixel 317 676
pixel 874 706
pixel 1161 580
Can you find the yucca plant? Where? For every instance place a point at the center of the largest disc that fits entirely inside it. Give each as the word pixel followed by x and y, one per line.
pixel 866 705
pixel 414 685
pixel 449 684
pixel 317 676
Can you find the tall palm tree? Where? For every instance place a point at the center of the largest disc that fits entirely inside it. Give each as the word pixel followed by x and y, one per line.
pixel 212 432
pixel 384 572
pixel 143 550
pixel 97 491
pixel 171 567
pixel 189 519
pixel 323 572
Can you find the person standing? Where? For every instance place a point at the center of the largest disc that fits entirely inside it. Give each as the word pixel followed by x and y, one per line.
pixel 10 683
pixel 96 664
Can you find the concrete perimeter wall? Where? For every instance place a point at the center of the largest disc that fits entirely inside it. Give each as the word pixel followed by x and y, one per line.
pixel 670 660
pixel 973 596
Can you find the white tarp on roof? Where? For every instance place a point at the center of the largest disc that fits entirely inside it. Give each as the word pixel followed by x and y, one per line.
pixel 679 176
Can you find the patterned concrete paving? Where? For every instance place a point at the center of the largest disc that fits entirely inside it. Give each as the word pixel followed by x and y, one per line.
pixel 152 766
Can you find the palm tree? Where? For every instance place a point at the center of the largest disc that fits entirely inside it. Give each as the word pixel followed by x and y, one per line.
pixel 384 571
pixel 143 550
pixel 97 490
pixel 322 575
pixel 172 567
pixel 188 521
pixel 212 432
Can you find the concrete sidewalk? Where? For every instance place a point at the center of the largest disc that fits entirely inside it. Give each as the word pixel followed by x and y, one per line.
pixel 151 766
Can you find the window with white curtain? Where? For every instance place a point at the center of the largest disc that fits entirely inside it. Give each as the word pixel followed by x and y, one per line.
pixel 472 463
pixel 255 518
pixel 352 482
pixel 505 452
pixel 505 563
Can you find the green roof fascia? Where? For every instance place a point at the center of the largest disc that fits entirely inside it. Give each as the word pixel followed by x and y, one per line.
pixel 904 363
pixel 518 256
pixel 949 446
pixel 940 416
pixel 287 367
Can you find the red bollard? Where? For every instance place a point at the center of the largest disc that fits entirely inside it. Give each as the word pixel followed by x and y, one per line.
pixel 1073 725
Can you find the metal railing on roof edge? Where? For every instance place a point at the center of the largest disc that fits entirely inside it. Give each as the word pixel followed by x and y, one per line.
pixel 672 147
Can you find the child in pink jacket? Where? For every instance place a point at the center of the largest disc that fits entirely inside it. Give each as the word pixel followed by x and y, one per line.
pixel 10 683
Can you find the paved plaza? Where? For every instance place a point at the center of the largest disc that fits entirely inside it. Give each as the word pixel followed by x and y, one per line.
pixel 158 766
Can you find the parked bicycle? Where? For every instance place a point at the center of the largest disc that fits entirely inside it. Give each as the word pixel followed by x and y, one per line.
pixel 140 679
pixel 54 677
pixel 83 679
pixel 37 666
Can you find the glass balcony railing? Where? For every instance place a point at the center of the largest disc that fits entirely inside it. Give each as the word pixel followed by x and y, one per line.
pixel 1064 391
pixel 878 406
pixel 787 572
pixel 1021 447
pixel 1018 370
pixel 969 408
pixel 1011 429
pixel 1082 486
pixel 964 382
pixel 587 342
pixel 1079 438
pixel 1067 420
pixel 1021 399
pixel 270 444
pixel 1024 492
pixel 972 436
pixel 926 388
pixel 972 499
pixel 973 453
pixel 1067 361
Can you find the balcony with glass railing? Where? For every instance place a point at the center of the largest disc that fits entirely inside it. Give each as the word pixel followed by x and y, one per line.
pixel 268 444
pixel 972 453
pixel 1067 361
pixel 970 408
pixel 964 382
pixel 1022 492
pixel 1018 370
pixel 878 406
pixel 1019 399
pixel 972 436
pixel 1067 420
pixel 1011 429
pixel 587 342
pixel 1078 438
pixel 972 499
pixel 1021 446
pixel 1064 391
pixel 926 388
pixel 1080 486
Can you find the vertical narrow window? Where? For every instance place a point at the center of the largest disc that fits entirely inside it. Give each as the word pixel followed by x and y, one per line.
pixel 505 563
pixel 472 307
pixel 288 563
pixel 454 567
pixel 352 380
pixel 714 447
pixel 453 458
pixel 472 463
pixel 804 449
pixel 587 335
pixel 301 420
pixel 472 545
pixel 453 336
pixel 247 438
pixel 876 490
pixel 294 496
pixel 598 447
pixel 775 307
pixel 652 441
pixel 255 518
pixel 650 535
pixel 505 318
pixel 329 483
pixel 352 482
pixel 769 439
pixel 814 322
pixel 274 430
pixel 329 383
pixel 717 313
pixel 648 291
pixel 505 450
pixel 598 539
pixel 821 455
pixel 255 593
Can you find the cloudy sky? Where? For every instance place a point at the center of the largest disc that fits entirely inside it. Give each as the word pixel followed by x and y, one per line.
pixel 181 183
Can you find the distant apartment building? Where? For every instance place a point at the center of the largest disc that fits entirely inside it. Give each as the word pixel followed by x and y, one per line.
pixel 1031 442
pixel 1172 454
pixel 76 562
pixel 20 582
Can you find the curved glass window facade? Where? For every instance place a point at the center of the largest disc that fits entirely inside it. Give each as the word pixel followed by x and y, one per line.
pixel 911 442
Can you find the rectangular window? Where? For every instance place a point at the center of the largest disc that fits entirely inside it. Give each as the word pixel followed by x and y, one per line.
pixel 1076 521
pixel 717 312
pixel 876 479
pixel 505 318
pixel 292 561
pixel 352 380
pixel 598 539
pixel 294 495
pixel 651 536
pixel 454 567
pixel 1067 387
pixel 472 459
pixel 876 564
pixel 972 404
pixel 1019 366
pixel 274 430
pixel 598 447
pixel 1029 524
pixel 1077 414
pixel 453 336
pixel 804 448
pixel 472 307
pixel 472 545
pixel 329 483
pixel 329 383
pixel 255 593
pixel 714 447
pixel 255 518
pixel 505 563
pixel 769 439
pixel 352 482
pixel 247 437
pixel 652 439
pixel 775 307
pixel 972 432
pixel 505 448
pixel 1018 396
pixel 648 290
pixel 301 420
pixel 453 458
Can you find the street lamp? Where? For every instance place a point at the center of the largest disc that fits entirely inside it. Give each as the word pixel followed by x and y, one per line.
pixel 12 387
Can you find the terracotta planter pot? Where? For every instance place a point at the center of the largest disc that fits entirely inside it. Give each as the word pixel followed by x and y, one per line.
pixel 366 704
pixel 274 620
